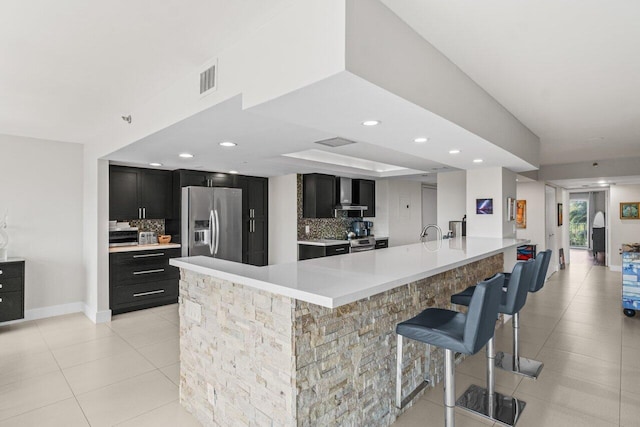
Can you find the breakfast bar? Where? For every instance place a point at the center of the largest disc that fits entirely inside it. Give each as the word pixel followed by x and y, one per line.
pixel 312 342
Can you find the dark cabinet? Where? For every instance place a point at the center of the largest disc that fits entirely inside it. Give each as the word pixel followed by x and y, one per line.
pixel 382 243
pixel 142 279
pixel 317 251
pixel 364 193
pixel 318 195
pixel 11 290
pixel 136 193
pixel 255 194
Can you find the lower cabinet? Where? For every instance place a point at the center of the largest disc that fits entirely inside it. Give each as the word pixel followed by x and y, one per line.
pixel 314 251
pixel 142 279
pixel 11 290
pixel 382 243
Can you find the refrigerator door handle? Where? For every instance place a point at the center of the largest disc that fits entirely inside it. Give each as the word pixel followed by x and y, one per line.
pixel 215 212
pixel 211 231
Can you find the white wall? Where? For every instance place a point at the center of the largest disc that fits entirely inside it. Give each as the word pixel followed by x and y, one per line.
pixel 402 207
pixel 489 183
pixel 41 187
pixel 452 198
pixel 621 231
pixel 283 217
pixel 533 193
pixel 430 206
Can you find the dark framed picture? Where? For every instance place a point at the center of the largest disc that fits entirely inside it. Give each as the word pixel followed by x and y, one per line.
pixel 559 214
pixel 484 206
pixel 629 210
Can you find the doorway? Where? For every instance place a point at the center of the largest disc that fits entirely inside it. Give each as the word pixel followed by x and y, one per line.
pixel 551 227
pixel 579 223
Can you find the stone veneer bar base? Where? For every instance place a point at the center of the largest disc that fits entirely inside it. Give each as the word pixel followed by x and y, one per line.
pixel 256 358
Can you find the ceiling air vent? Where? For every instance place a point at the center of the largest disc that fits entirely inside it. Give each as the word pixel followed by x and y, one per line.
pixel 208 79
pixel 335 142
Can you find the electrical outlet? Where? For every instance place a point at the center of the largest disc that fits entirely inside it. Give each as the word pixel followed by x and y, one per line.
pixel 193 311
pixel 307 229
pixel 211 394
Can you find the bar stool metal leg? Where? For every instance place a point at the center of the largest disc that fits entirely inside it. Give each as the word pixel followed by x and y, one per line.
pixel 449 388
pixel 488 403
pixel 513 362
pixel 400 402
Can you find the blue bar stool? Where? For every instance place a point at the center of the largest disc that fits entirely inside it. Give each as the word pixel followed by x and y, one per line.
pixel 514 362
pixel 455 332
pixel 486 401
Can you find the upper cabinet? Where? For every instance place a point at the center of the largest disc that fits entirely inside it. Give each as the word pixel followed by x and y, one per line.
pixel 136 193
pixel 318 195
pixel 364 193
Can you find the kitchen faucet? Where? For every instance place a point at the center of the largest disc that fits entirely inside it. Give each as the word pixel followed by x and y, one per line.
pixel 428 226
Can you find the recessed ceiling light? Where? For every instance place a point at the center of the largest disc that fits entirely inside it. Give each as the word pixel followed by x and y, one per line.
pixel 477 160
pixel 228 144
pixel 371 123
pixel 454 151
pixel 155 164
pixel 233 172
pixel 186 155
pixel 421 140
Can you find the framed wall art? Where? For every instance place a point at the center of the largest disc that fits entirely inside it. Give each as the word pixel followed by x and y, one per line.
pixel 629 210
pixel 484 206
pixel 521 214
pixel 559 214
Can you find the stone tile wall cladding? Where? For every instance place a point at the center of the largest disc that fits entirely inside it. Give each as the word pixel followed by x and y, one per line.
pixel 321 228
pixel 156 225
pixel 273 360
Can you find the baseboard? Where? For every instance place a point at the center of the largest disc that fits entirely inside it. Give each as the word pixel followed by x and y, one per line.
pixel 616 268
pixel 97 316
pixel 53 310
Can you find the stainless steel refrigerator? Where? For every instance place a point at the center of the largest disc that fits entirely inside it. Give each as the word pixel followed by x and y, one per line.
pixel 212 222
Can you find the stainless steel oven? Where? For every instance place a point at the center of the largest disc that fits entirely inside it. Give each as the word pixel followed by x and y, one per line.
pixel 362 244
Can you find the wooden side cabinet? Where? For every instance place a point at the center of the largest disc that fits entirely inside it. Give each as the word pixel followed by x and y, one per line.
pixel 11 290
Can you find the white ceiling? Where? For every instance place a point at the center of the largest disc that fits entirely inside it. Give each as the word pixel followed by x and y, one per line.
pixel 567 70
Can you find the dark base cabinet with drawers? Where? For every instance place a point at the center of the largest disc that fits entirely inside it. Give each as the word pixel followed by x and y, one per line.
pixel 313 251
pixel 142 279
pixel 11 290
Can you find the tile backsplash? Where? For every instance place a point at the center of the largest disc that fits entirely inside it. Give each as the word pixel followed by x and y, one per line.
pixel 156 225
pixel 321 228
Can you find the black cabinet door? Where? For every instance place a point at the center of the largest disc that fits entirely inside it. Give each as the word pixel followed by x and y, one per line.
pixel 123 193
pixel 219 179
pixel 318 196
pixel 192 178
pixel 155 194
pixel 364 193
pixel 254 219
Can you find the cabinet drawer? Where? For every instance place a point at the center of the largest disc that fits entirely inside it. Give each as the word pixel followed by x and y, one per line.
pixel 337 250
pixel 382 244
pixel 128 274
pixel 139 257
pixel 11 284
pixel 8 270
pixel 142 292
pixel 11 306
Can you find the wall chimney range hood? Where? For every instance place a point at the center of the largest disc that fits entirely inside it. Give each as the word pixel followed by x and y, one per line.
pixel 345 194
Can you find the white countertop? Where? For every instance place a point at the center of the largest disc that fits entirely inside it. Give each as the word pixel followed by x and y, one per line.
pixel 144 247
pixel 342 279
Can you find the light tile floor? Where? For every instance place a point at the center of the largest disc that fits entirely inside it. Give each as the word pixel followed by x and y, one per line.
pixel 590 350
pixel 66 371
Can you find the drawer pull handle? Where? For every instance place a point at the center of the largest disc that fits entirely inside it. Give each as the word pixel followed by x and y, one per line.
pixel 0 299
pixel 159 270
pixel 148 255
pixel 0 271
pixel 142 294
pixel 341 249
pixel 0 285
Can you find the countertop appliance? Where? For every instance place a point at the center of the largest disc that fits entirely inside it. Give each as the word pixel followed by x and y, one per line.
pixel 361 245
pixel 212 222
pixel 123 236
pixel 147 238
pixel 362 228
